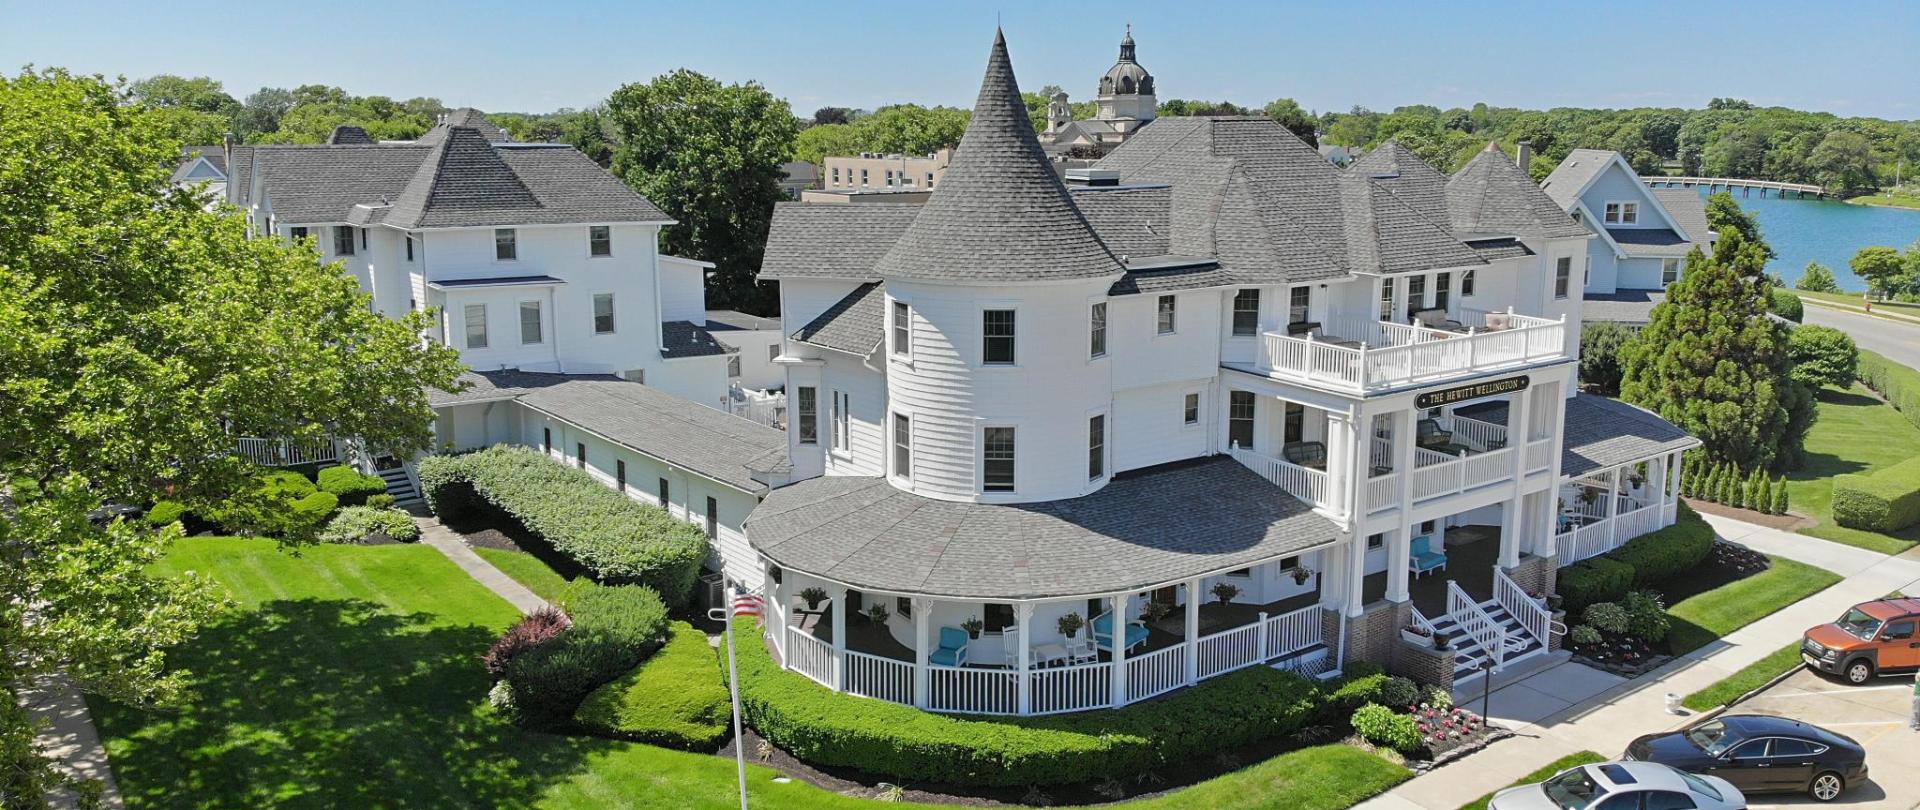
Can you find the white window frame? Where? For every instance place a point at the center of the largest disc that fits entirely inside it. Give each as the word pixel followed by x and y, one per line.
pixel 1166 315
pixel 591 240
pixel 1306 309
pixel 1096 330
pixel 539 323
pixel 1389 299
pixel 1562 277
pixel 733 366
pixel 467 313
pixel 1234 312
pixel 1466 283
pixel 1621 212
pixel 1013 339
pixel 900 335
pixel 1013 487
pixel 898 444
pixel 1199 406
pixel 613 313
pixel 339 231
pixel 773 351
pixel 803 417
pixel 1669 271
pixel 1105 446
pixel 512 244
pixel 841 421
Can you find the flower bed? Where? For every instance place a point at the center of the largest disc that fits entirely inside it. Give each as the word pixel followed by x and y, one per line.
pixel 1618 653
pixel 1445 729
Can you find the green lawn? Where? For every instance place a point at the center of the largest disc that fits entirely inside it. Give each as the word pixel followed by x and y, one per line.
pixel 1749 678
pixel 1700 619
pixel 1855 432
pixel 1554 767
pixel 1889 200
pixel 526 569
pixel 348 676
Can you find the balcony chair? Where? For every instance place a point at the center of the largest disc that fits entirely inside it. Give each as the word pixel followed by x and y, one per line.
pixel 1298 328
pixel 1136 633
pixel 1306 454
pixel 1431 435
pixel 1436 318
pixel 1424 560
pixel 1081 650
pixel 953 648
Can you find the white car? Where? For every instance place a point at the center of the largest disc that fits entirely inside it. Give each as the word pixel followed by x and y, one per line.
pixel 1623 786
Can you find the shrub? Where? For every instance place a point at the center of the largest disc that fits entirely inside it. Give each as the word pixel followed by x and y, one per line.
pixel 1822 356
pixel 356 522
pixel 1817 278
pixel 676 698
pixel 1885 500
pixel 614 629
pixel 1398 691
pixel 1646 616
pixel 1600 344
pixel 533 630
pixel 1383 726
pixel 166 513
pixel 613 536
pixel 1438 698
pixel 1780 496
pixel 282 502
pixel 1664 553
pixel 1595 579
pixel 447 488
pixel 1606 616
pixel 1787 305
pixel 352 487
pixel 1356 690
pixel 380 501
pixel 1224 714
pixel 1584 634
pixel 1899 384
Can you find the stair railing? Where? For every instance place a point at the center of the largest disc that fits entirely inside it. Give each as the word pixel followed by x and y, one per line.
pixel 1477 624
pixel 1531 614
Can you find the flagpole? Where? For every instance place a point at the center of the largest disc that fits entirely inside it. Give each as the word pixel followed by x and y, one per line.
pixel 733 686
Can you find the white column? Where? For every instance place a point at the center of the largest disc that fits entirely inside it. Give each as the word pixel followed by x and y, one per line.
pixel 1403 439
pixel 1399 564
pixel 839 596
pixel 1342 466
pixel 1193 630
pixel 776 609
pixel 922 639
pixel 1679 480
pixel 1356 573
pixel 1613 508
pixel 1512 524
pixel 1333 576
pixel 1119 641
pixel 1023 687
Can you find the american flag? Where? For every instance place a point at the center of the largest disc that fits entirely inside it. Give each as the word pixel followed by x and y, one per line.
pixel 747 604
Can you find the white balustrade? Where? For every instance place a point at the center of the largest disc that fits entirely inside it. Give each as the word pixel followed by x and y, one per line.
pixel 1156 673
pixel 1228 650
pixel 1305 483
pixel 967 690
pixel 1531 614
pixel 1476 623
pixel 287 452
pixel 878 677
pixel 1438 474
pixel 1637 522
pixel 1477 434
pixel 1071 689
pixel 1486 468
pixel 1395 354
pixel 1599 535
pixel 813 658
pixel 1539 454
pixel 1383 492
pixel 1291 632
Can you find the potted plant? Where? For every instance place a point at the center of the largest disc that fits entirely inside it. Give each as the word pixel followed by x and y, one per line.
pixel 877 613
pixel 1301 574
pixel 1070 625
pixel 973 625
pixel 1155 610
pixel 1225 592
pixel 813 597
pixel 1442 641
pixel 1416 635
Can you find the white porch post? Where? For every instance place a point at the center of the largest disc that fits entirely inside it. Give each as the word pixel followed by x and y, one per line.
pixel 839 596
pixel 1333 576
pixel 776 609
pixel 1023 687
pixel 1519 425
pixel 1613 508
pixel 1192 629
pixel 1343 465
pixel 1118 641
pixel 1399 564
pixel 921 640
pixel 1657 481
pixel 1511 524
pixel 1679 480
pixel 1356 574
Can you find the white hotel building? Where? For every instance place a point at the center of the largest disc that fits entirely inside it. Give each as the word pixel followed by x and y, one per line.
pixel 1212 360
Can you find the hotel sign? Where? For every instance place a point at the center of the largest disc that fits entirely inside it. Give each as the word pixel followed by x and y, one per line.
pixel 1449 396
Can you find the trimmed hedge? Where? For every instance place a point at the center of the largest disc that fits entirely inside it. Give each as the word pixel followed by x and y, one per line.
pixel 1885 500
pixel 1225 714
pixel 1643 561
pixel 615 627
pixel 1898 384
pixel 284 503
pixel 354 523
pixel 617 539
pixel 1787 305
pixel 676 698
pixel 352 487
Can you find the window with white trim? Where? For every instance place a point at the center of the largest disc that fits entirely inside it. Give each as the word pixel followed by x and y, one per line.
pixel 603 313
pixel 1096 446
pixel 1466 284
pixel 343 240
pixel 773 352
pixel 530 332
pixel 1299 303
pixel 1386 299
pixel 1416 295
pixel 1240 410
pixel 476 316
pixel 1669 271
pixel 409 248
pixel 1562 276
pixel 1622 213
pixel 506 244
pixel 808 410
pixel 1164 322
pixel 1097 329
pixel 599 240
pixel 902 329
pixel 733 366
pixel 1442 290
pixel 713 517
pixel 1246 312
pixel 997 336
pixel 903 446
pixel 996 459
pixel 842 405
pixel 1190 409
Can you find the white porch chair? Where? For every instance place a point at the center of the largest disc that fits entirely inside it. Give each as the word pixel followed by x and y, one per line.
pixel 1010 642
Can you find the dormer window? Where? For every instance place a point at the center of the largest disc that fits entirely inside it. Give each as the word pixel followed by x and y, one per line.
pixel 1623 213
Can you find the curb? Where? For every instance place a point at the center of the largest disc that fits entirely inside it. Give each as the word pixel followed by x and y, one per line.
pixel 1775 681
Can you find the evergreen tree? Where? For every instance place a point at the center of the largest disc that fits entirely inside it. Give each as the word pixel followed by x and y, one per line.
pixel 1730 486
pixel 1712 362
pixel 1762 492
pixel 1780 496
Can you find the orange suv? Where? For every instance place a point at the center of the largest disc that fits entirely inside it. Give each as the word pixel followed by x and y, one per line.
pixel 1874 638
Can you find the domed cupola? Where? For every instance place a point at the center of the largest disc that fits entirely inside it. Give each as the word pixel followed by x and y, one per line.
pixel 1127 89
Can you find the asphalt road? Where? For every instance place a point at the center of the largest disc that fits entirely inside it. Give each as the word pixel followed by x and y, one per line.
pixel 1874 714
pixel 1900 342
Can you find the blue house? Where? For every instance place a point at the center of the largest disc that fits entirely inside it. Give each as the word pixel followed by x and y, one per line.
pixel 1645 234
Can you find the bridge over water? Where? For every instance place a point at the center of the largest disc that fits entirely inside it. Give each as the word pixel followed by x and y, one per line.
pixel 1747 187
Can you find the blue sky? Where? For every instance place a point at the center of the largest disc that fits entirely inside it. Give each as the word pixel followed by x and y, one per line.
pixel 537 56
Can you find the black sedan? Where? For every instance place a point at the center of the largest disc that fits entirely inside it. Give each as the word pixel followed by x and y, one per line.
pixel 1761 754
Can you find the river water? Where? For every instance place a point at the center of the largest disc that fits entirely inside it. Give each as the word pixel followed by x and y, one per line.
pixel 1828 232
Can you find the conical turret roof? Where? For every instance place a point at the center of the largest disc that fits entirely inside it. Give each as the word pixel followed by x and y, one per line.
pixel 1000 214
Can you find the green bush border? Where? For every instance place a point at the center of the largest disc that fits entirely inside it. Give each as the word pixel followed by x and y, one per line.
pixel 676 698
pixel 1885 500
pixel 1896 383
pixel 1643 561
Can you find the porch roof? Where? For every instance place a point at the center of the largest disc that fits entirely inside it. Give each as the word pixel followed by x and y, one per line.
pixel 1601 431
pixel 1145 528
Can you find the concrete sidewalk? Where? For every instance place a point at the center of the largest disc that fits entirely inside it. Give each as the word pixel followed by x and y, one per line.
pixel 448 542
pixel 69 738
pixel 1569 707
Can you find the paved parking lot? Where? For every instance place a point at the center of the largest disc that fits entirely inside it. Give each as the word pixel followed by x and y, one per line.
pixel 1875 714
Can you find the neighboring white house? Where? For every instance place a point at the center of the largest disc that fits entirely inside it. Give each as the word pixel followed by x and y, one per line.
pixel 1644 233
pixel 756 343
pixel 203 167
pixel 1213 359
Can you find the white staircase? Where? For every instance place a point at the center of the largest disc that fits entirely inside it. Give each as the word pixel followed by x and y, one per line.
pixel 1470 651
pixel 400 486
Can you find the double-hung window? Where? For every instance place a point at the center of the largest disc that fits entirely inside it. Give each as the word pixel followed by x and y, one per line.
pixel 903 445
pixel 1096 446
pixel 1299 302
pixel 530 332
pixel 343 240
pixel 599 240
pixel 476 315
pixel 1164 322
pixel 1386 299
pixel 902 329
pixel 1442 290
pixel 1240 418
pixel 842 404
pixel 1097 330
pixel 1622 213
pixel 809 414
pixel 1416 295
pixel 996 446
pixel 1669 271
pixel 506 244
pixel 603 313
pixel 1562 276
pixel 713 517
pixel 1246 312
pixel 1190 409
pixel 997 335
pixel 1466 284
pixel 409 248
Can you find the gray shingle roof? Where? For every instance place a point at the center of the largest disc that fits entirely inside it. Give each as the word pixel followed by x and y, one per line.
pixel 1602 432
pixel 688 339
pixel 1689 211
pixel 1663 242
pixel 318 184
pixel 1163 274
pixel 1135 533
pixel 240 175
pixel 469 118
pixel 1623 306
pixel 1491 196
pixel 487 386
pixel 462 179
pixel 832 240
pixel 1386 233
pixel 216 155
pixel 1001 213
pixel 727 320
pixel 854 324
pixel 348 133
pixel 1132 220
pixel 708 441
pixel 1574 173
pixel 1411 179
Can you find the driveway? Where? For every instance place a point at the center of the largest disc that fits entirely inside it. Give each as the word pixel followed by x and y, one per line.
pixel 1875 714
pixel 1900 342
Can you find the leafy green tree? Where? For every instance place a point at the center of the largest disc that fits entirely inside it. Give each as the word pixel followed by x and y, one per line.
pixel 1297 120
pixel 139 334
pixel 1779 506
pixel 1183 106
pixel 261 113
pixel 911 129
pixel 708 154
pixel 1844 160
pixel 1600 344
pixel 1817 278
pixel 1353 128
pixel 1881 267
pixel 198 93
pixel 832 115
pixel 817 143
pixel 1822 356
pixel 1711 361
pixel 1757 496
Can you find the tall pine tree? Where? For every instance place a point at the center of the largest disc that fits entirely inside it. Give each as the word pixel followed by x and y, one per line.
pixel 1712 362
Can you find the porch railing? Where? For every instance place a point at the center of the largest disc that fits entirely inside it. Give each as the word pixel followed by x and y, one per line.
pixel 1305 483
pixel 1438 474
pixel 1485 435
pixel 813 658
pixel 1070 689
pixel 288 452
pixel 1383 492
pixel 1531 614
pixel 1229 650
pixel 1476 623
pixel 875 676
pixel 1539 454
pixel 1289 633
pixel 966 690
pixel 1637 522
pixel 1157 672
pixel 1396 354
pixel 1606 534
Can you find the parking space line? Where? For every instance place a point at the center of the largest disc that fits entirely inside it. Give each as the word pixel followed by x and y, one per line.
pixel 1837 692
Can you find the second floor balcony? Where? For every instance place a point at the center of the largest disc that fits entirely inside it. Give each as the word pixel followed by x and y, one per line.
pixel 1361 355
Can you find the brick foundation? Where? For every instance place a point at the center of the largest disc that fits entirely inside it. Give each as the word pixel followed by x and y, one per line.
pixel 1375 633
pixel 1424 664
pixel 1536 574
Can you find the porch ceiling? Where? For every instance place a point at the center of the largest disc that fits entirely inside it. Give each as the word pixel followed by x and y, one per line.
pixel 1144 529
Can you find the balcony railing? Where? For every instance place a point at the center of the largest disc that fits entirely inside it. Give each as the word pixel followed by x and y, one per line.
pixel 1362 356
pixel 288 452
pixel 1305 483
pixel 1596 536
pixel 1437 474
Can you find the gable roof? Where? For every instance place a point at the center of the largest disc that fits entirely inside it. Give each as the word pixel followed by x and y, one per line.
pixel 1411 179
pixel 828 240
pixel 681 432
pixel 191 156
pixel 1387 234
pixel 1001 213
pixel 462 177
pixel 855 324
pixel 1491 196
pixel 308 184
pixel 1574 174
pixel 1689 211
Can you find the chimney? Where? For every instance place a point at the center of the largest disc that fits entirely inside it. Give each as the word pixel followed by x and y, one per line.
pixel 1524 156
pixel 226 145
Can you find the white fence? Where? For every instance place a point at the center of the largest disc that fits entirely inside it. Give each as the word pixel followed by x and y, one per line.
pixel 877 677
pixel 1157 672
pixel 1383 492
pixel 1395 354
pixel 1539 454
pixel 1440 474
pixel 287 452
pixel 1305 483
pixel 971 691
pixel 1229 650
pixel 1478 434
pixel 1291 632
pixel 1607 534
pixel 813 658
pixel 1070 689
